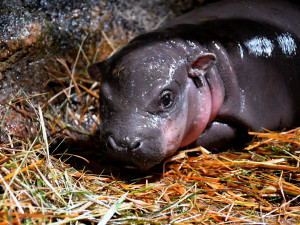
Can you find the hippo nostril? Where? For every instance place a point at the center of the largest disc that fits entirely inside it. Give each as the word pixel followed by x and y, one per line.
pixel 111 144
pixel 135 145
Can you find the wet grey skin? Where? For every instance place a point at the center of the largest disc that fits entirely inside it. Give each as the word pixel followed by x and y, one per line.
pixel 206 79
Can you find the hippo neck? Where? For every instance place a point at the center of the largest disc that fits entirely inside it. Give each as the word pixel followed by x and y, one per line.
pixel 227 81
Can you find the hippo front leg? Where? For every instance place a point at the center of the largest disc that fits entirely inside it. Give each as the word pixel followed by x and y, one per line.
pixel 218 135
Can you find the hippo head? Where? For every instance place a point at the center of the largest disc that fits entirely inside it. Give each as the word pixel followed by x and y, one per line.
pixel 154 99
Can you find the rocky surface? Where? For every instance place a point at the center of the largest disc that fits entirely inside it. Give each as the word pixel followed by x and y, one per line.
pixel 33 32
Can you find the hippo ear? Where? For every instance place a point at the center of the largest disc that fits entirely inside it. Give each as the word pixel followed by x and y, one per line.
pixel 95 71
pixel 201 65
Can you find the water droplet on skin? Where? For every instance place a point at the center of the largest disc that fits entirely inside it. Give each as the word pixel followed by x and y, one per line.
pixel 260 46
pixel 287 44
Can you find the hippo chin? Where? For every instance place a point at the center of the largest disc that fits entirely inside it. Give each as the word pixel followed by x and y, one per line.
pixel 207 79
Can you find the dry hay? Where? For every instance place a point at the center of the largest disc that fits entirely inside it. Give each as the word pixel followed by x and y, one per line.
pixel 260 184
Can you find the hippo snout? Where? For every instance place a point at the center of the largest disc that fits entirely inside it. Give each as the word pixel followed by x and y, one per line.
pixel 141 151
pixel 127 144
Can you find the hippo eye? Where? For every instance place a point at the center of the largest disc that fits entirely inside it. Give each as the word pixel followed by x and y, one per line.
pixel 166 100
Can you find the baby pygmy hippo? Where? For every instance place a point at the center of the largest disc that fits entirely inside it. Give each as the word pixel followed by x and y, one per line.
pixel 206 79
